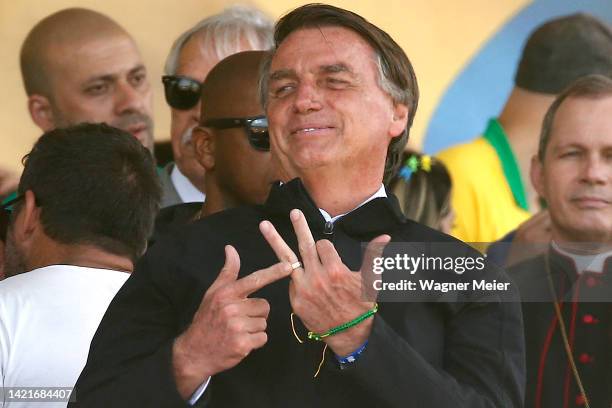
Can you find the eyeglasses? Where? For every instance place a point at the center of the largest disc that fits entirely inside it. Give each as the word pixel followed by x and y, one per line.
pixel 5 215
pixel 256 127
pixel 181 92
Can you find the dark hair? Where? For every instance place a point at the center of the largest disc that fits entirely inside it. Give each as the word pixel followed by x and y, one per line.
pixel 590 86
pixel 563 50
pixel 95 185
pixel 396 75
pixel 424 194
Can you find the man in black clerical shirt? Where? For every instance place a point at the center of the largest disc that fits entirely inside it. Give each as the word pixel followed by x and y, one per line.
pixel 573 172
pixel 262 306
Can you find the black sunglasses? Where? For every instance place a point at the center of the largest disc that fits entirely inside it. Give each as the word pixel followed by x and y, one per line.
pixel 5 216
pixel 181 92
pixel 256 129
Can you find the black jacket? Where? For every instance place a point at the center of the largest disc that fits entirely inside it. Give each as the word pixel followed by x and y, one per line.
pixel 586 304
pixel 466 353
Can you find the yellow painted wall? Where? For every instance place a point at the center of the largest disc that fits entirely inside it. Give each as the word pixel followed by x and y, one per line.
pixel 439 36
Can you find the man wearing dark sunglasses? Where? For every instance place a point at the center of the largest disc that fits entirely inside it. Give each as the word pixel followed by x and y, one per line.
pixel 231 143
pixel 80 66
pixel 191 57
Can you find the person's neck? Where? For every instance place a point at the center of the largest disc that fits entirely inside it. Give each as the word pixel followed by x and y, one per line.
pixel 521 119
pixel 339 195
pixel 216 200
pixel 89 256
pixel 582 246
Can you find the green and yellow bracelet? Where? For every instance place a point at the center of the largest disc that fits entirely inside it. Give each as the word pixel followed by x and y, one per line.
pixel 343 327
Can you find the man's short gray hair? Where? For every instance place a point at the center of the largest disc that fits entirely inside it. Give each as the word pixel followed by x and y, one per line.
pixel 225 33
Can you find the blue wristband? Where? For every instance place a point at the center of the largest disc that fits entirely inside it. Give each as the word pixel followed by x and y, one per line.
pixel 351 358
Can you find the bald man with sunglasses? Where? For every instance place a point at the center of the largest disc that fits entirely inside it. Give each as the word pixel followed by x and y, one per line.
pixel 192 56
pixel 231 143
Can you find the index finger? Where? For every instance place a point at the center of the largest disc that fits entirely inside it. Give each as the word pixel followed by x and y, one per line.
pixel 253 282
pixel 277 243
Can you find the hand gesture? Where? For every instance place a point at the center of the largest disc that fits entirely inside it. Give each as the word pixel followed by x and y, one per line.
pixel 324 292
pixel 227 326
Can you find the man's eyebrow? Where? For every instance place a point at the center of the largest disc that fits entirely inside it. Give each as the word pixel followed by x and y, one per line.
pixel 282 74
pixel 568 145
pixel 139 67
pixel 334 68
pixel 113 77
pixel 325 69
pixel 105 78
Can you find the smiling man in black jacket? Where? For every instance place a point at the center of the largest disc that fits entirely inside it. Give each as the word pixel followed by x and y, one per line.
pixel 340 96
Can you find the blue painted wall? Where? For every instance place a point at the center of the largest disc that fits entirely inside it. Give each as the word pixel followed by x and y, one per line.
pixel 480 90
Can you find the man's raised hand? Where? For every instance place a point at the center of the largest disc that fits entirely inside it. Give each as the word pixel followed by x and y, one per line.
pixel 227 326
pixel 325 293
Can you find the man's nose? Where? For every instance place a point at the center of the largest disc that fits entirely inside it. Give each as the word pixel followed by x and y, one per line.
pixel 307 98
pixel 597 170
pixel 129 99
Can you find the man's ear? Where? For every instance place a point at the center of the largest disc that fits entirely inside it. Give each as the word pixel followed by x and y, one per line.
pixel 536 173
pixel 399 120
pixel 27 220
pixel 203 140
pixel 41 112
pixel 187 149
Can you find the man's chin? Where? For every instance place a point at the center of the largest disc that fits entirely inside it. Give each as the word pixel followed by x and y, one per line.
pixel 591 231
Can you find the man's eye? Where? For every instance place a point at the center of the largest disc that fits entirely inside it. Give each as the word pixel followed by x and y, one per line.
pixel 337 82
pixel 96 89
pixel 570 154
pixel 138 79
pixel 282 90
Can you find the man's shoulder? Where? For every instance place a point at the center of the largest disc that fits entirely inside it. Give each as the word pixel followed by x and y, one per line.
pixel 18 291
pixel 44 279
pixel 173 217
pixel 530 277
pixel 527 268
pixel 169 194
pixel 222 227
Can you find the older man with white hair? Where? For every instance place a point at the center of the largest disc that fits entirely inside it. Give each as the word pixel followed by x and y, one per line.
pixel 192 56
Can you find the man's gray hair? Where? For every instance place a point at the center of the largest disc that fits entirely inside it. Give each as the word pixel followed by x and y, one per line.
pixel 224 34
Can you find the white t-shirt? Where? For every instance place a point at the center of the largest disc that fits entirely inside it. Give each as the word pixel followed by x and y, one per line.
pixel 48 317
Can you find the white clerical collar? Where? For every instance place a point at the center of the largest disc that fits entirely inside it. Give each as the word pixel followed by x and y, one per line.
pixel 380 193
pixel 187 191
pixel 584 263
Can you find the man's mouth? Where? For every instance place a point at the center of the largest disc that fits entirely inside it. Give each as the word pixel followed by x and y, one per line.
pixel 592 202
pixel 310 130
pixel 138 131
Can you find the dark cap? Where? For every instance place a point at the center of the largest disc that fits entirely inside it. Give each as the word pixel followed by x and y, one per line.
pixel 563 50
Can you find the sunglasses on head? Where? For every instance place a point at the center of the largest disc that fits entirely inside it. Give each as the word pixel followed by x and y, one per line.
pixel 256 129
pixel 181 92
pixel 5 216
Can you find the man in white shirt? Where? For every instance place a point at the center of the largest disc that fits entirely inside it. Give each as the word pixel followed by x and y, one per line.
pixel 192 56
pixel 85 207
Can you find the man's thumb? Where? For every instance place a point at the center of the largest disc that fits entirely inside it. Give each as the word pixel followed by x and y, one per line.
pixel 229 272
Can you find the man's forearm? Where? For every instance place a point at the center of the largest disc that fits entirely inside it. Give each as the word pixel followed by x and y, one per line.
pixel 187 378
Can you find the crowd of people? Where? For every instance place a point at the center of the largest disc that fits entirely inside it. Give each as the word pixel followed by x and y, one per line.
pixel 239 274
